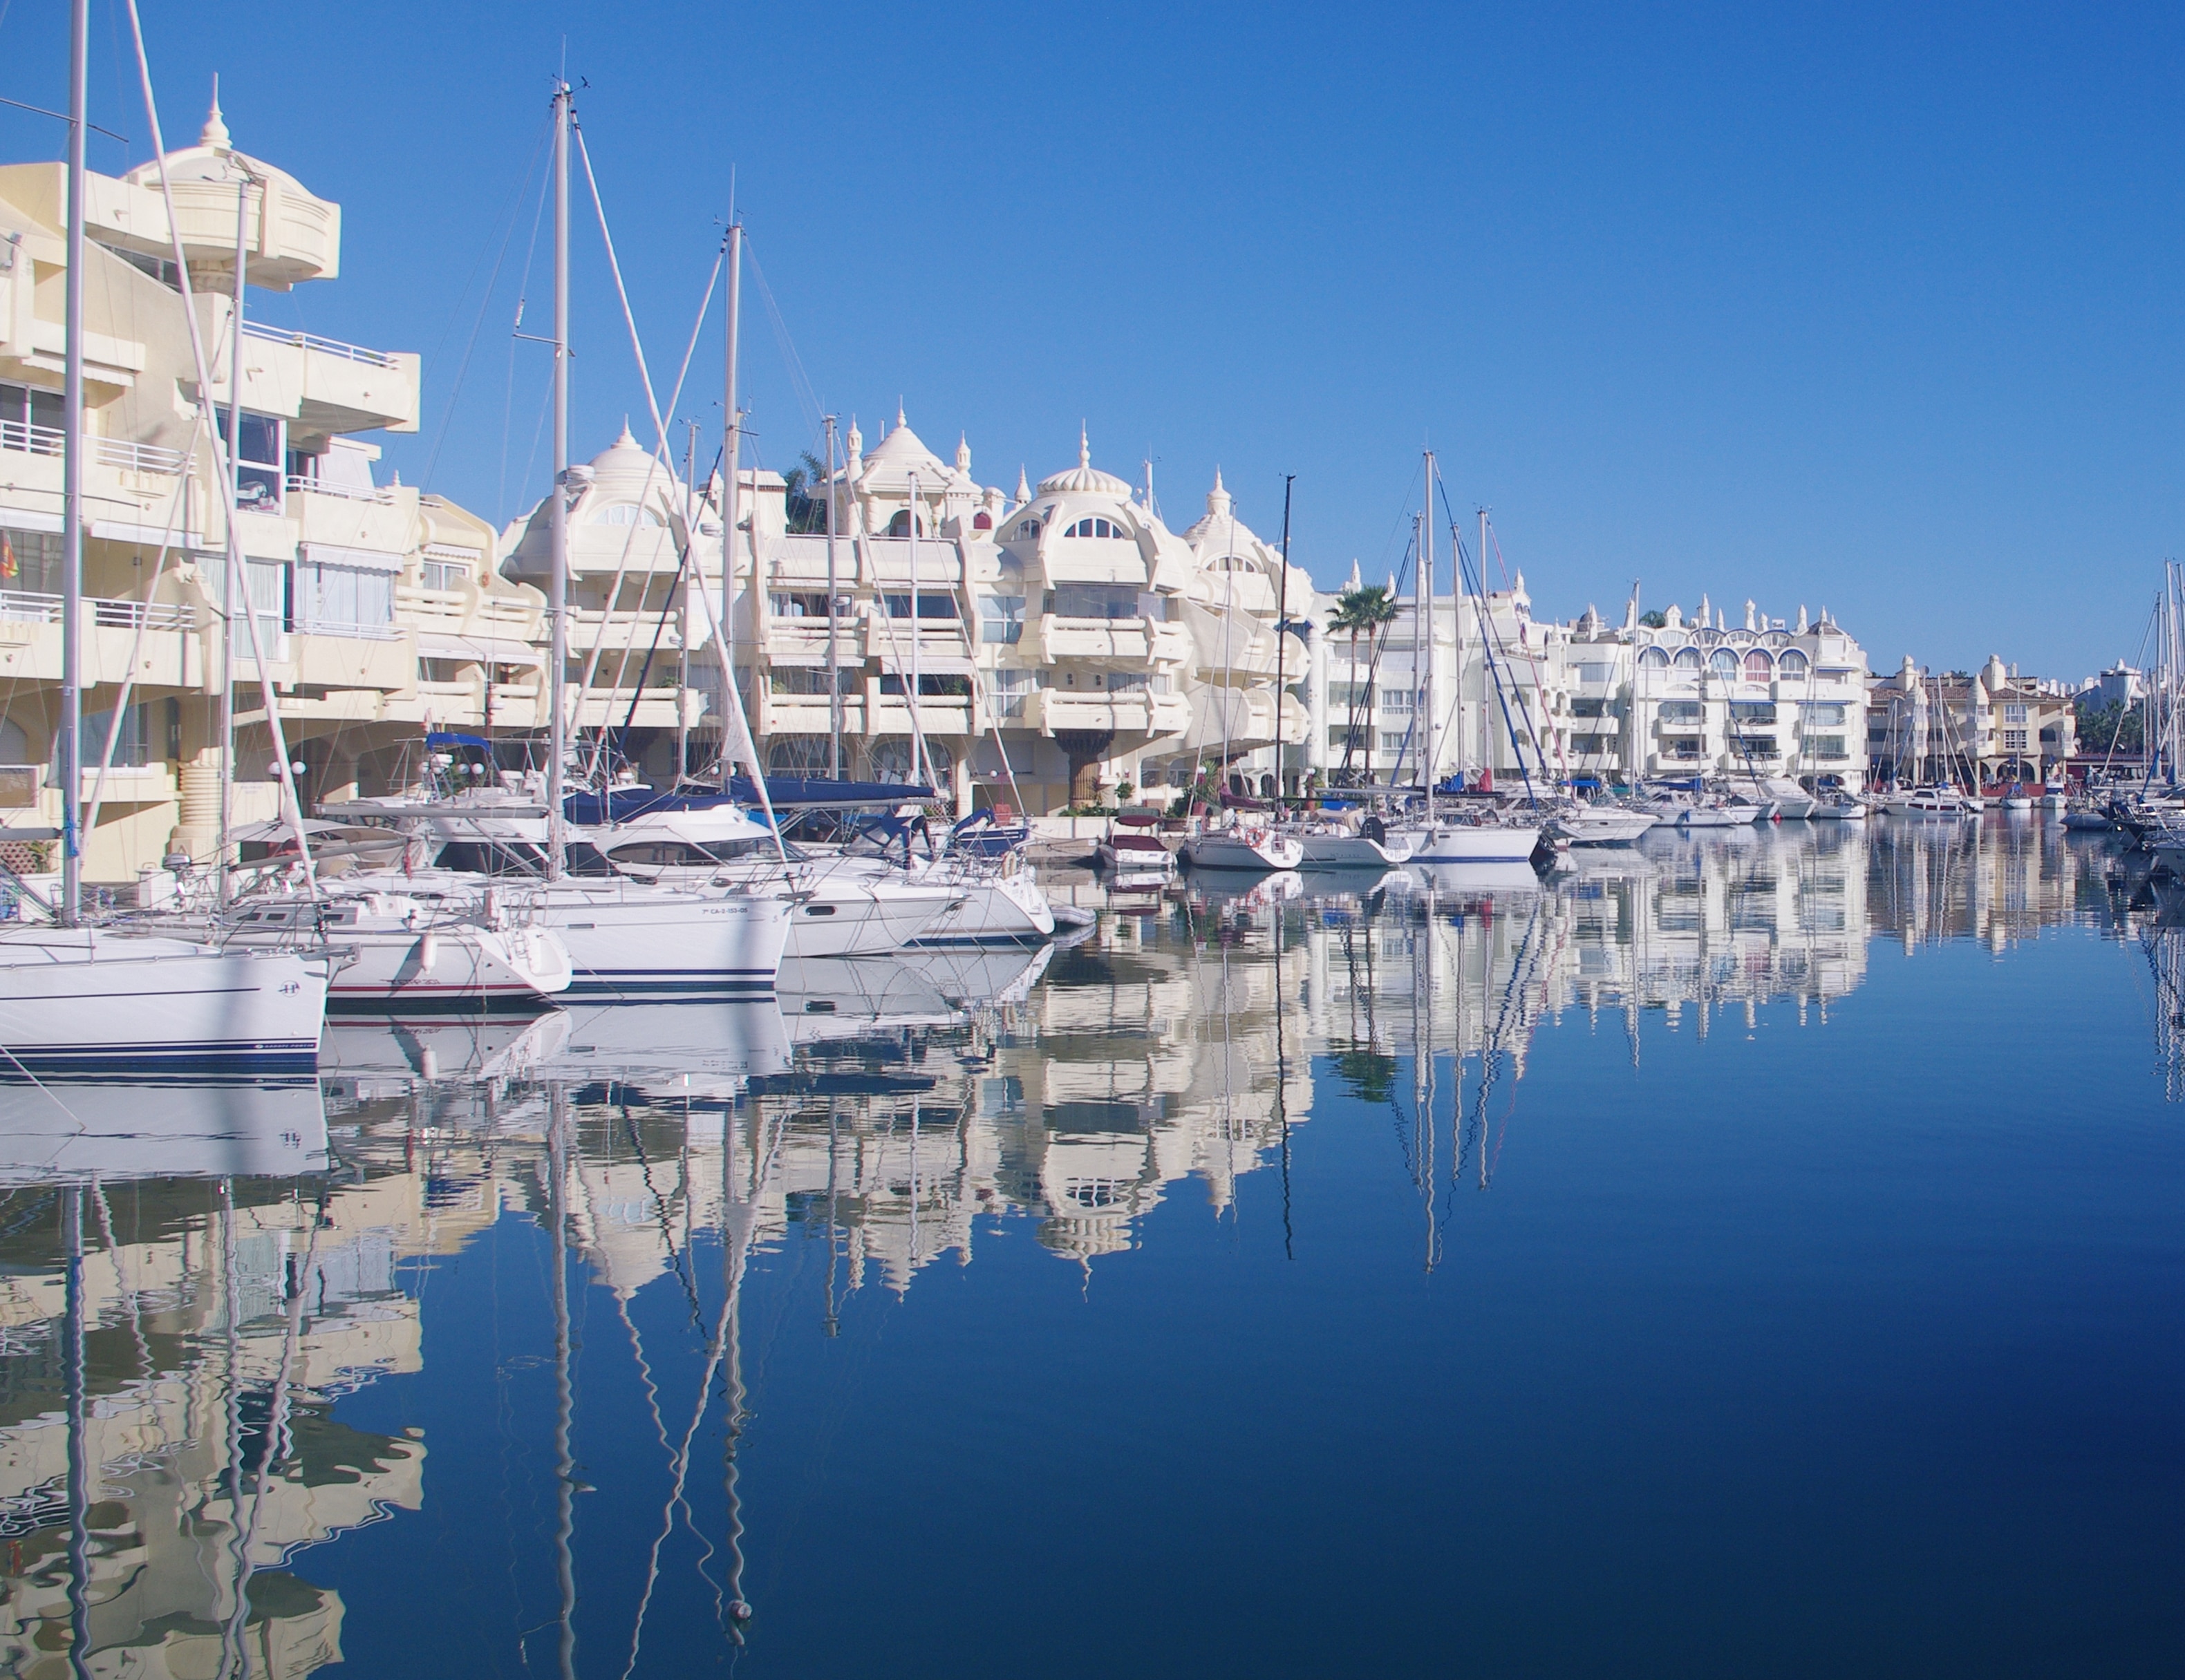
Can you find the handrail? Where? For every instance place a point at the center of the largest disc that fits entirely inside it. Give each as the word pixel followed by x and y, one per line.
pixel 28 607
pixel 312 341
pixel 381 493
pixel 51 440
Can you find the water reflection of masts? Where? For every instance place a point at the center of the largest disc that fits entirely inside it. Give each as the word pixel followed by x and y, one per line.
pixel 79 1489
pixel 1423 1103
pixel 565 1464
pixel 738 1218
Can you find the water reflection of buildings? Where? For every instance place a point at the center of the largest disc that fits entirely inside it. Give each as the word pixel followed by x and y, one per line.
pixel 227 1304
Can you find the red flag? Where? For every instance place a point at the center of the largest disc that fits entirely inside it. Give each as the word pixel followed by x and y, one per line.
pixel 8 567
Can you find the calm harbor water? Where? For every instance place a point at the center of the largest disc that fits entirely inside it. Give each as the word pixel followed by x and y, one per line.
pixel 1754 1252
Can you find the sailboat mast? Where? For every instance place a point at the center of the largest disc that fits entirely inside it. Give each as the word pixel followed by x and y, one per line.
pixel 70 754
pixel 732 452
pixel 834 621
pixel 1281 614
pixel 918 766
pixel 1425 695
pixel 557 585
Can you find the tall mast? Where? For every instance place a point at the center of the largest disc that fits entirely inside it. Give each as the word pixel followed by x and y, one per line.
pixel 1282 612
pixel 731 459
pixel 238 574
pixel 1425 693
pixel 557 586
pixel 918 764
pixel 834 621
pixel 1486 630
pixel 70 753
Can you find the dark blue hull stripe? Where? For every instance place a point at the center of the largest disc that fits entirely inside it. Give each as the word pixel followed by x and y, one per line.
pixel 276 1055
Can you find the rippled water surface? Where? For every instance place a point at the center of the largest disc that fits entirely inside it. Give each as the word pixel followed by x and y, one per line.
pixel 1749 1252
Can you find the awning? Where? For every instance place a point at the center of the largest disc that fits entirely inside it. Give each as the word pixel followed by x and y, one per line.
pixel 360 559
pixel 479 649
pixel 22 519
pixel 123 531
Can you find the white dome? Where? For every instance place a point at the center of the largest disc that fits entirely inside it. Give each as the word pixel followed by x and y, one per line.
pixel 1084 478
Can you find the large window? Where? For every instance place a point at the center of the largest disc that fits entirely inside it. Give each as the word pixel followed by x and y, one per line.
pixel 341 600
pixel 1792 664
pixel 31 420
pixel 1092 601
pixel 940 686
pixel 812 679
pixel 1010 690
pixel 931 604
pixel 130 739
pixel 1825 714
pixel 262 464
pixel 1096 528
pixel 1723 663
pixel 1682 711
pixel 1654 659
pixel 1826 746
pixel 2013 740
pixel 1001 619
pixel 1752 712
pixel 2014 714
pixel 1688 659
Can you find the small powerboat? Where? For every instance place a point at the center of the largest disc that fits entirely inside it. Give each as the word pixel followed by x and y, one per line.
pixel 1132 847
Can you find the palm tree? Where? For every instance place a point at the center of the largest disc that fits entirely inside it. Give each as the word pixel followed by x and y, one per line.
pixel 1361 611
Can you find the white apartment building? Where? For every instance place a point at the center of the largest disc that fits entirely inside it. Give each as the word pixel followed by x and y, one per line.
pixel 379 611
pixel 1049 647
pixel 1587 702
pixel 1992 726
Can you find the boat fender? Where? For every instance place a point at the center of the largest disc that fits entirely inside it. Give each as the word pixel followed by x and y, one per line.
pixel 428 952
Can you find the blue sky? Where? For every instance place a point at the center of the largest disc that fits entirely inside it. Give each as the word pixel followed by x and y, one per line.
pixel 1874 308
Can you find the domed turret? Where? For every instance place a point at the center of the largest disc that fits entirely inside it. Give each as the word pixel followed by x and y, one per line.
pixel 1084 478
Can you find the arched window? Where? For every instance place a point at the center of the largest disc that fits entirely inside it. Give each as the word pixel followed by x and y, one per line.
pixel 1758 668
pixel 1723 663
pixel 627 514
pixel 1027 528
pixel 982 520
pixel 1096 528
pixel 900 525
pixel 891 760
pixel 1792 664
pixel 1654 659
pixel 1688 659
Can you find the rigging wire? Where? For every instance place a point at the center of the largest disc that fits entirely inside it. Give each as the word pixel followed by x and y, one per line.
pixel 485 299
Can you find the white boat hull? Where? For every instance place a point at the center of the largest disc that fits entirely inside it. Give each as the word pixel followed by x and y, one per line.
pixel 1354 851
pixel 626 940
pixel 85 1002
pixel 1606 828
pixel 1226 851
pixel 1466 843
pixel 435 970
pixel 846 918
pixel 1002 909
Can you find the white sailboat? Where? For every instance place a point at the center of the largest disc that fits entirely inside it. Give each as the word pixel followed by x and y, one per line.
pixel 1485 837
